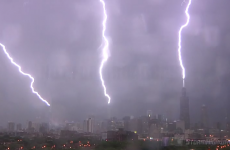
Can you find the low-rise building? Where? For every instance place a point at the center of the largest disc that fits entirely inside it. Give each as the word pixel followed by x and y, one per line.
pixel 119 135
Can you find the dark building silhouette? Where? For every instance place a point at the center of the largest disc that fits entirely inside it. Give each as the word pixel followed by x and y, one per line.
pixel 68 133
pixel 144 125
pixel 218 125
pixel 171 126
pixel 11 126
pixel 29 125
pixel 19 127
pixel 184 108
pixel 44 128
pixel 154 122
pixel 126 123
pixel 204 117
pixel 121 135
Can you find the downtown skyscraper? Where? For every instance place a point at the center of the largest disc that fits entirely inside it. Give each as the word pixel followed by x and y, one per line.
pixel 184 108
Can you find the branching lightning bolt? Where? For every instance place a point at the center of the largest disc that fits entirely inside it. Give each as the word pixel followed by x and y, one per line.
pixel 23 73
pixel 104 51
pixel 179 43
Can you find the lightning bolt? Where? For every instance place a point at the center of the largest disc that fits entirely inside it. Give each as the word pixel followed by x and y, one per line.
pixel 23 73
pixel 179 43
pixel 104 51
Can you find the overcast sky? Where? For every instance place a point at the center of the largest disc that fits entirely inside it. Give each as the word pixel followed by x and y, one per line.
pixel 57 41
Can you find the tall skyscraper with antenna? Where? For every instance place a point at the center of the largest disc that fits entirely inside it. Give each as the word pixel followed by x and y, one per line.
pixel 184 108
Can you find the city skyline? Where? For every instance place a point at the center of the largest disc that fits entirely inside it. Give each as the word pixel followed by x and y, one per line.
pixel 142 42
pixel 184 117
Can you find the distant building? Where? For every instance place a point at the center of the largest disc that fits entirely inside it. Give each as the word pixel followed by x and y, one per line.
pixel 77 127
pixel 180 126
pixel 103 126
pixel 127 123
pixel 119 135
pixel 114 124
pixel 159 117
pixel 154 129
pixel 97 126
pixel 228 127
pixel 204 117
pixel 11 126
pixel 35 127
pixel 218 126
pixel 149 113
pixel 111 124
pixel 184 109
pixel 171 126
pixel 85 126
pixel 68 134
pixel 19 127
pixel 44 128
pixel 69 126
pixel 169 115
pixel 90 125
pixel 142 126
pixel 133 125
pixel 30 125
